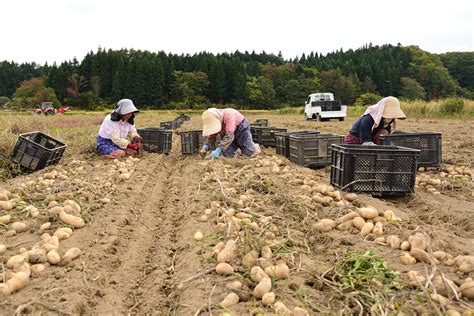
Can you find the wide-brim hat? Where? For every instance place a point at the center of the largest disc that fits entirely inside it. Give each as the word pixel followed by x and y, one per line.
pixel 211 123
pixel 392 109
pixel 126 106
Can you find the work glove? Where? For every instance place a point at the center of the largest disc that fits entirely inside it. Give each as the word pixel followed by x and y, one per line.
pixel 135 147
pixel 137 140
pixel 216 153
pixel 368 144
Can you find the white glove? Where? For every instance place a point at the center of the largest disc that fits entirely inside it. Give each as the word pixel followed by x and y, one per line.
pixel 368 144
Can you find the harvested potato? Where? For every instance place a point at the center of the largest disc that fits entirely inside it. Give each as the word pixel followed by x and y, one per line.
pixel 3 196
pixel 380 240
pixel 227 254
pixel 230 300
pixel 10 233
pixel 405 246
pixel 351 197
pixel 37 256
pixel 224 268
pixel 53 257
pixel 218 247
pixel 203 218
pixel 264 286
pixel 346 217
pixel 37 268
pixel 44 227
pixel 266 252
pixel 393 241
pixel 198 236
pixel 358 222
pixel 281 309
pixel 19 227
pixel 420 255
pixel 6 206
pixel 16 282
pixel 5 219
pixel 257 274
pixel 324 225
pixel 268 298
pixel 465 263
pixel 418 241
pixel 467 289
pixel 280 271
pixel 368 212
pixel 3 249
pixel 15 261
pixel 367 229
pixel 407 259
pixel 56 210
pixel 72 220
pixel 440 255
pixel 378 229
pixel 71 254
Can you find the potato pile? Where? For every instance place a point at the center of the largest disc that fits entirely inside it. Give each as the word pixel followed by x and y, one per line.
pixel 438 180
pixel 50 195
pixel 32 262
pixel 241 219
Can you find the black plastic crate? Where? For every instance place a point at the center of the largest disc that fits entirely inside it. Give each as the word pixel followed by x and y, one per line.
pixel 156 140
pixel 35 151
pixel 312 150
pixel 379 170
pixel 170 124
pixel 192 141
pixel 265 136
pixel 283 141
pixel 427 142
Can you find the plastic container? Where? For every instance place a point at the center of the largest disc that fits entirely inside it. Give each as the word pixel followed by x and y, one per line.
pixel 312 150
pixel 192 141
pixel 156 139
pixel 36 150
pixel 428 143
pixel 265 136
pixel 378 170
pixel 283 141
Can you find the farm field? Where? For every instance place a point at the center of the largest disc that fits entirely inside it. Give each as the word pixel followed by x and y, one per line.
pixel 138 253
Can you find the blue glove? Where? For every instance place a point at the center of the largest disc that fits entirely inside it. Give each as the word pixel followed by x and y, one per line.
pixel 205 148
pixel 216 153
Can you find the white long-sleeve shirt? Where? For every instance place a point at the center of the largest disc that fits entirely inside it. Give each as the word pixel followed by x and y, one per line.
pixel 118 132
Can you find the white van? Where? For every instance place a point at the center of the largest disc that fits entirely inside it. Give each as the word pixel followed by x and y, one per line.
pixel 323 107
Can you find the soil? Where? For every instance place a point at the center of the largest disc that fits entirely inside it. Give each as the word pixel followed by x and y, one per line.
pixel 137 250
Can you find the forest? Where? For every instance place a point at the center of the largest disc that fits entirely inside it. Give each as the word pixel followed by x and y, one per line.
pixel 159 80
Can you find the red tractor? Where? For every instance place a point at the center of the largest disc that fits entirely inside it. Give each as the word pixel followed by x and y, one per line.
pixel 48 109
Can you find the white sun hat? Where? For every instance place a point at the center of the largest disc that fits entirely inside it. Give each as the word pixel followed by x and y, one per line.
pixel 392 109
pixel 212 122
pixel 126 106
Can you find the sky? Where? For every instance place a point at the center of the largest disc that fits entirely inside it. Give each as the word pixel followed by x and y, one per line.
pixel 57 30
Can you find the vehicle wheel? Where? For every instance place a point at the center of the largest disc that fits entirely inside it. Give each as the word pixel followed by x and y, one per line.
pixel 341 119
pixel 49 113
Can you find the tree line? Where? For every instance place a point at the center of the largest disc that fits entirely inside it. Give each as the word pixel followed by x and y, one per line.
pixel 252 80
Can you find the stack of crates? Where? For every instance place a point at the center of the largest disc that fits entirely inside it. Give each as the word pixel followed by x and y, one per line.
pixel 156 139
pixel 34 151
pixel 170 124
pixel 428 143
pixel 378 170
pixel 283 141
pixel 265 136
pixel 312 150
